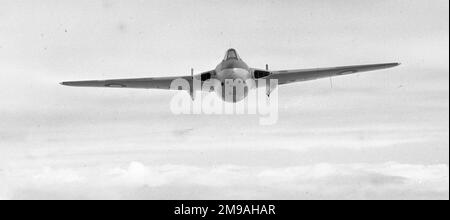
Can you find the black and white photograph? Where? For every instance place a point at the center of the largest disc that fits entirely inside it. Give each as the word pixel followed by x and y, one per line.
pixel 238 100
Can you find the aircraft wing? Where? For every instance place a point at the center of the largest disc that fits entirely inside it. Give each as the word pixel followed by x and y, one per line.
pixel 291 76
pixel 140 83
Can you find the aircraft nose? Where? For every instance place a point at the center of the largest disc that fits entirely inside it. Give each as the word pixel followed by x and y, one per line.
pixel 231 54
pixel 232 50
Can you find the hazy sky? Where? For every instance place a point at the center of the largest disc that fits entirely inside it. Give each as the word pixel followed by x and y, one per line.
pixel 377 135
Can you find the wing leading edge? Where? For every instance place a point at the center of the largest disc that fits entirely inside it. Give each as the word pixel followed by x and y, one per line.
pixel 140 83
pixel 291 76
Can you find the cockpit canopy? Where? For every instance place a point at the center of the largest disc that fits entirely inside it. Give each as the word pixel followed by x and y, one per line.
pixel 231 55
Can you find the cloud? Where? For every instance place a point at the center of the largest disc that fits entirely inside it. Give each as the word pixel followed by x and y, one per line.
pixel 321 181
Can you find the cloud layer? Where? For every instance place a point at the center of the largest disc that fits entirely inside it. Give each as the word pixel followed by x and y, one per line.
pixel 321 181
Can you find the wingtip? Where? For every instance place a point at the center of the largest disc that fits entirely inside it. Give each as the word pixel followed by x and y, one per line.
pixel 65 84
pixel 390 65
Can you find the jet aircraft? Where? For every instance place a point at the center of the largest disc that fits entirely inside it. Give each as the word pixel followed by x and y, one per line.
pixel 232 67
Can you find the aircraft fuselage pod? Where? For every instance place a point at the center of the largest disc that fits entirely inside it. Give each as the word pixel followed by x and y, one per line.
pixel 235 76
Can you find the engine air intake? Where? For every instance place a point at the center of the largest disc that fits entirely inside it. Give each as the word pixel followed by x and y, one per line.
pixel 260 74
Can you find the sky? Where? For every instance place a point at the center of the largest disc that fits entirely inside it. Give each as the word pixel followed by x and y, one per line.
pixel 376 135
